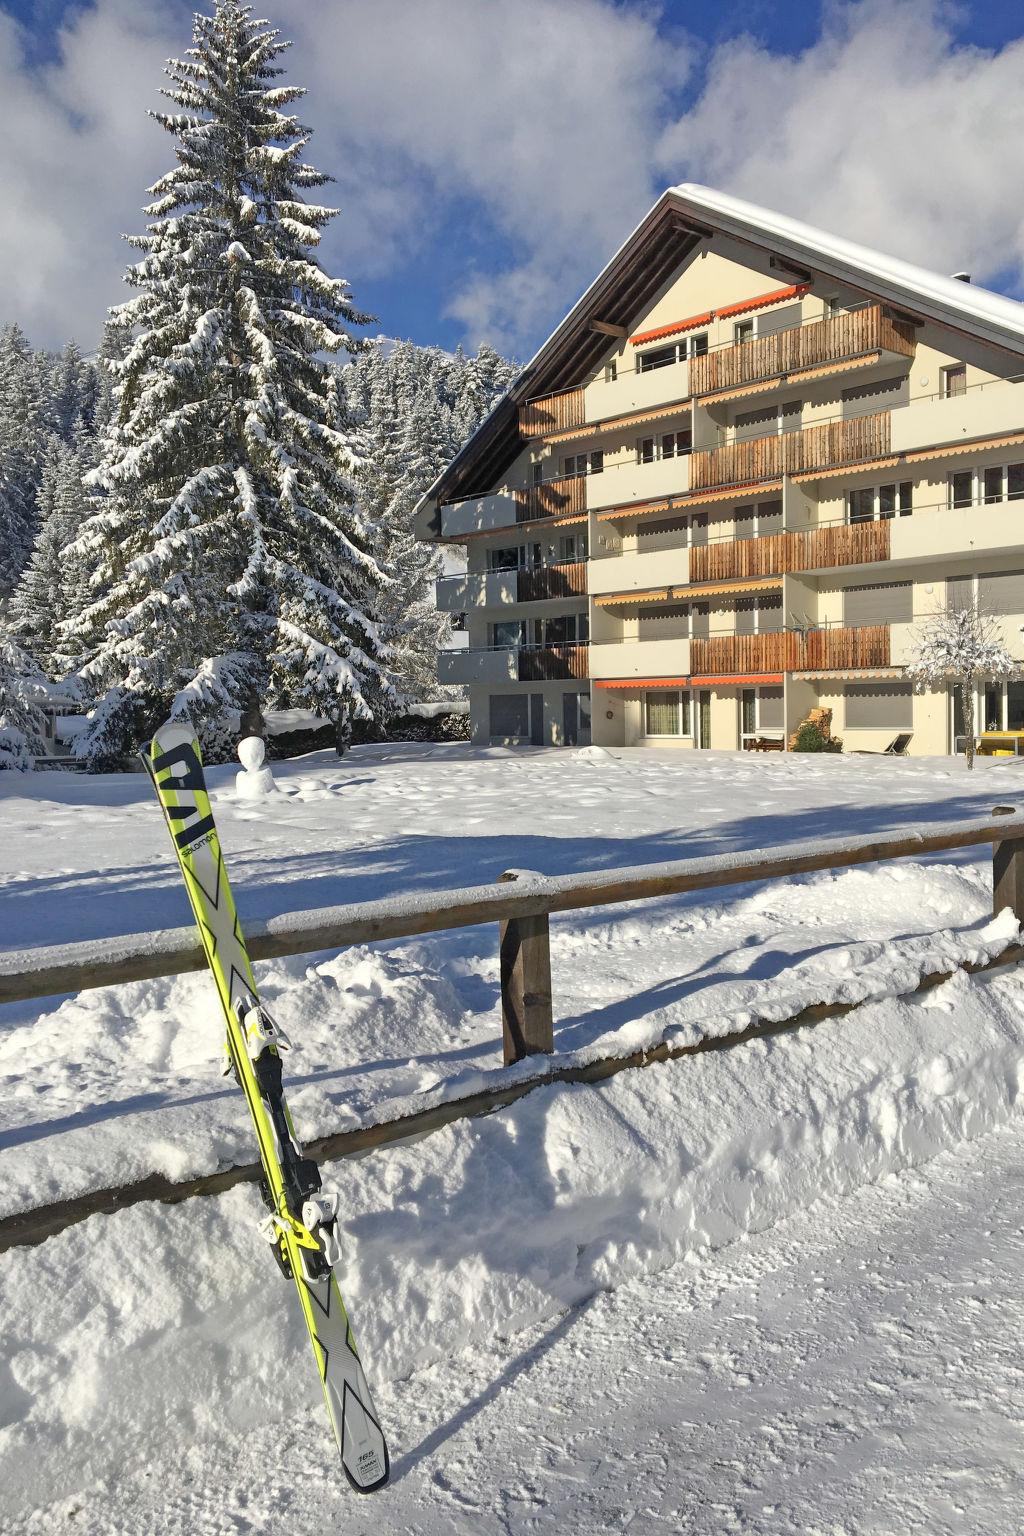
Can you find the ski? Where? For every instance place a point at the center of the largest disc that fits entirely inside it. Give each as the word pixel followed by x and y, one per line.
pixel 301 1224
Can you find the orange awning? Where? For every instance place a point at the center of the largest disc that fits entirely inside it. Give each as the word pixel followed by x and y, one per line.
pixel 673 328
pixel 680 504
pixel 1012 440
pixel 696 589
pixel 736 680
pixel 794 291
pixel 612 423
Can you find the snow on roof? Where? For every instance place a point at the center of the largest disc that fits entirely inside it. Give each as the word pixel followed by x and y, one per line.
pixel 981 312
pixel 947 299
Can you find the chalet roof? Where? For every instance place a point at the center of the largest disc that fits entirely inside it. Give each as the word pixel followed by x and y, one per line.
pixel 679 220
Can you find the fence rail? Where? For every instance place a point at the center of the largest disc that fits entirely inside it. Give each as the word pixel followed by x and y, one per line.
pixel 521 903
pixel 798 347
pixel 772 554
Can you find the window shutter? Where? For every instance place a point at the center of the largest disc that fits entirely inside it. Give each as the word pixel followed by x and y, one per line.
pixel 769 708
pixel 1001 592
pixel 892 603
pixel 881 705
pixel 880 395
pixel 671 623
pixel 510 714
pixel 771 320
pixel 959 592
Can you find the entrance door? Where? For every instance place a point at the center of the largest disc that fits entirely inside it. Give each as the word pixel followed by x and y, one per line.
pixel 536 719
pixel 584 700
pixel 570 719
pixel 704 718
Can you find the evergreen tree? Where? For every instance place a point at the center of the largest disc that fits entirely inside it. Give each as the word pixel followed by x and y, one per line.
pixel 232 566
pixel 23 414
pixel 418 405
pixel 22 690
pixel 55 583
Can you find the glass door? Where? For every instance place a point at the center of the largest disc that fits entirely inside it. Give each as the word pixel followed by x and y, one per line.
pixel 704 718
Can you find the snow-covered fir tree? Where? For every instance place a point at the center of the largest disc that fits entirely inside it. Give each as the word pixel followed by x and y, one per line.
pixel 23 689
pixel 233 568
pixel 55 581
pixel 417 407
pixel 24 427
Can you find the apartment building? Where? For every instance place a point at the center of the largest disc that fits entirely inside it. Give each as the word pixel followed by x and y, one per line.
pixel 730 486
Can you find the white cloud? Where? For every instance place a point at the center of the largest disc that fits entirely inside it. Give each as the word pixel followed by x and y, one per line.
pixel 885 131
pixel 78 153
pixel 545 125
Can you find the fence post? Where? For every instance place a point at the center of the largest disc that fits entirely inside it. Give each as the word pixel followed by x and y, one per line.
pixel 524 946
pixel 1008 870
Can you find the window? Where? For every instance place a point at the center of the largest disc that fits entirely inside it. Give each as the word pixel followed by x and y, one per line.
pixel 676 352
pixel 769 419
pixel 758 616
pixel 658 357
pixel 583 463
pixel 510 714
pixel 880 394
pixel 954 380
pixel 675 444
pixel 959 592
pixel 536 472
pixel 508 634
pixel 887 706
pixel 675 621
pixel 888 603
pixel 573 546
pixel 667 713
pixel 672 532
pixel 611 371
pixel 880 501
pixel 761 713
pixel 750 522
pixel 514 557
pixel 743 330
pixel 961 488
pixel 670 445
pixel 563 629
pixel 1014 482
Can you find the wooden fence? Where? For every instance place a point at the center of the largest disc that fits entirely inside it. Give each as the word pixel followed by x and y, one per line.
pixel 552 413
pixel 553 498
pixel 786 650
pixel 829 445
pixel 800 347
pixel 809 549
pixel 521 903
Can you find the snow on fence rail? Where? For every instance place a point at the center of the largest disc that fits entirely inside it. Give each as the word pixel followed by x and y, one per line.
pixel 521 902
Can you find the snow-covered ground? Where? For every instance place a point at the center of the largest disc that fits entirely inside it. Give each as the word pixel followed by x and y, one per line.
pixel 124 1400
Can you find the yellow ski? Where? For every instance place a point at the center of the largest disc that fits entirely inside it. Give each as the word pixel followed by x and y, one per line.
pixel 302 1220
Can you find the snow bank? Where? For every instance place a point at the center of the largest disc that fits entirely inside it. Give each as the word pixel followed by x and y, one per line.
pixel 171 1321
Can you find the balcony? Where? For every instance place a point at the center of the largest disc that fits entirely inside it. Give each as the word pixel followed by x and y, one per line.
pixel 981 528
pixel 638 573
pixel 527 664
pixel 641 658
pixel 478 514
pixel 497 589
pixel 829 445
pixel 553 498
pixel 552 413
pixel 776 553
pixel 814 346
pixel 822 650
pixel 982 411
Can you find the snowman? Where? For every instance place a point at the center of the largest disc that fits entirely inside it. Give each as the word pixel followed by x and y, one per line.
pixel 255 780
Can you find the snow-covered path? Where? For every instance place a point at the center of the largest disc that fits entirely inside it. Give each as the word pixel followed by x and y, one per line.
pixel 858 1369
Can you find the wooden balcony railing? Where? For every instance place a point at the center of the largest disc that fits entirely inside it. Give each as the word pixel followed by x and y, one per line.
pixel 547 581
pixel 555 498
pixel 551 663
pixel 787 651
pixel 829 445
pixel 776 553
pixel 803 346
pixel 552 413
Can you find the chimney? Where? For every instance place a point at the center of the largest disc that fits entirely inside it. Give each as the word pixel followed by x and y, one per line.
pixel 961 277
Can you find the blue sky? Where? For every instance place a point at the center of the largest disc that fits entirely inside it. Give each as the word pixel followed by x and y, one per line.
pixel 490 157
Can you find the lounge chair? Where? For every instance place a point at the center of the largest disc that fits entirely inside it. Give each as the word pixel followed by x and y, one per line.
pixel 898 746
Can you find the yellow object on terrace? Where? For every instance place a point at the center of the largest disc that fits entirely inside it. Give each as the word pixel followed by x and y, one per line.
pixel 1001 743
